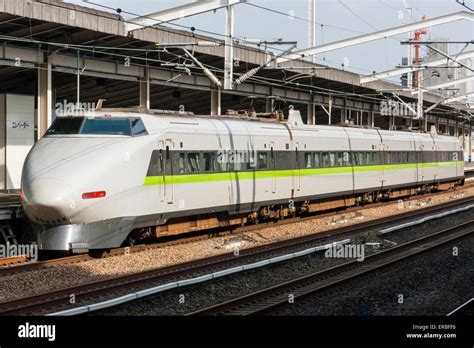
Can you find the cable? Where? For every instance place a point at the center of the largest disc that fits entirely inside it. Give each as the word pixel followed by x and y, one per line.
pixel 269 81
pixel 303 19
pixel 355 14
pixel 146 50
pixel 222 35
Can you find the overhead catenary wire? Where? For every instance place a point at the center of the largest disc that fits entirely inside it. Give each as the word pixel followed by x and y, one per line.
pixel 119 10
pixel 260 79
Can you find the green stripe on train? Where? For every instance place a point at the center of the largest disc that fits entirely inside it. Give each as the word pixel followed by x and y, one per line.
pixel 267 174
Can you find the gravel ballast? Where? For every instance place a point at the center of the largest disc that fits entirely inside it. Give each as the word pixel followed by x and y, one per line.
pixel 182 301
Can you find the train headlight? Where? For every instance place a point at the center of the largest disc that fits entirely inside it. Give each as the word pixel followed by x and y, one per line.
pixel 95 194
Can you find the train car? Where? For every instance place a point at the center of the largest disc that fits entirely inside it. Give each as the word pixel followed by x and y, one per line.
pixel 98 179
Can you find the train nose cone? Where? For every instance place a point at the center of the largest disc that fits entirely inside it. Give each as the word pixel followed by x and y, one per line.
pixel 48 201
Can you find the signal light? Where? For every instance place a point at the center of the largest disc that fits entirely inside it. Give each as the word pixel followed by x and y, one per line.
pixel 95 194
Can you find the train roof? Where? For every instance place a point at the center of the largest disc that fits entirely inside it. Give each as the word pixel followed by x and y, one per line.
pixel 293 122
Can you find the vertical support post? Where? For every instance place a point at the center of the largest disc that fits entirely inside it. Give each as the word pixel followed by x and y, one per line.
pixel 270 102
pixel 391 122
pixel 330 111
pixel 78 81
pixel 269 105
pixel 45 99
pixel 216 102
pixel 371 118
pixel 463 137
pixel 229 48
pixel 437 123
pixel 344 113
pixel 312 26
pixel 410 49
pixel 145 89
pixel 470 141
pixel 311 111
pixel 456 128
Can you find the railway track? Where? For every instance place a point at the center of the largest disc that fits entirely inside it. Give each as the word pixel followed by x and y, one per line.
pixel 465 309
pixel 60 299
pixel 12 261
pixel 272 299
pixel 17 265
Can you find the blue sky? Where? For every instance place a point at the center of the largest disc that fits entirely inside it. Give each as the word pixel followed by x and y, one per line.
pixel 337 19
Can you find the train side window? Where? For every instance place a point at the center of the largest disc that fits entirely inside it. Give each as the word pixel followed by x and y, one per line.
pixel 251 165
pixel 223 160
pixel 346 159
pixel 317 160
pixel 325 160
pixel 167 153
pixel 307 160
pixel 368 158
pixel 209 162
pixel 354 159
pixel 236 160
pixel 375 158
pixel 339 159
pixel 332 159
pixel 181 163
pixel 360 159
pixel 405 157
pixel 193 162
pixel 262 160
pixel 138 128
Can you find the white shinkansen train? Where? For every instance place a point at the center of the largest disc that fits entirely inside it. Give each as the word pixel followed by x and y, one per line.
pixel 96 180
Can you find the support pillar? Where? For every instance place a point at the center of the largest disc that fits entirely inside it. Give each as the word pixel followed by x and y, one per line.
pixel 45 99
pixel 229 48
pixel 216 102
pixel 371 117
pixel 470 141
pixel 145 90
pixel 330 111
pixel 311 111
pixel 391 122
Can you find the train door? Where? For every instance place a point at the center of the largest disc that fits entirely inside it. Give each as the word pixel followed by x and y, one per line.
pixel 421 161
pixel 167 191
pixel 273 166
pixel 161 161
pixel 436 158
pixel 297 179
pixel 383 160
